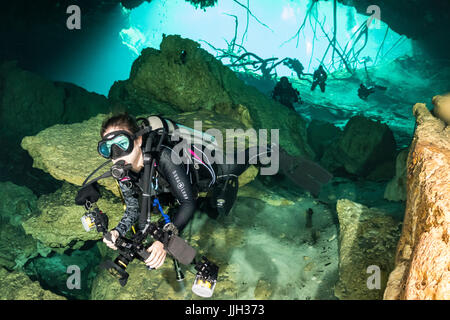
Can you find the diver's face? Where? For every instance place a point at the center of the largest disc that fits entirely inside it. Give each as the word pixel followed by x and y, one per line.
pixel 135 158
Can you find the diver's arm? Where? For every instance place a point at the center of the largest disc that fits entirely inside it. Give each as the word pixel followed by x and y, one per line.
pixel 175 175
pixel 132 209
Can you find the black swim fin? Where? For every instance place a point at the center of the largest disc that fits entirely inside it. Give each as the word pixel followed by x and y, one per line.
pixel 304 173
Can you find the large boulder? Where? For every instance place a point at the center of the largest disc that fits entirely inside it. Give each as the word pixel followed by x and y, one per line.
pixel 200 82
pixel 17 286
pixel 59 224
pixel 16 248
pixel 364 146
pixel 423 254
pixel 321 135
pixel 367 241
pixel 17 203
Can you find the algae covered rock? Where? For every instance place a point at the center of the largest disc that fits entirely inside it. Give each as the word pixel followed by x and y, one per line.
pixel 17 203
pixel 16 247
pixel 68 152
pixel 367 242
pixel 59 225
pixel 57 272
pixel 17 286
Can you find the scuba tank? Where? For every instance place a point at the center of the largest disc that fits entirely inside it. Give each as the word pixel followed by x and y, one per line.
pixel 199 168
pixel 177 131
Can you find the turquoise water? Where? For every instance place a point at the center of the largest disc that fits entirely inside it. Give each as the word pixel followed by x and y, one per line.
pixel 107 54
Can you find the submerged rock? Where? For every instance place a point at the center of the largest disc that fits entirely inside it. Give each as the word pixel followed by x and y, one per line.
pixel 321 135
pixel 69 152
pixel 59 226
pixel 17 286
pixel 423 254
pixel 16 248
pixel 57 271
pixel 363 146
pixel 396 188
pixel 368 237
pixel 17 203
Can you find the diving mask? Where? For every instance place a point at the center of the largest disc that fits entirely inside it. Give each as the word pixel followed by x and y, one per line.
pixel 116 144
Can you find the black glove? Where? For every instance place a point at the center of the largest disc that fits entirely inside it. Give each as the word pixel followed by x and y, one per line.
pixel 89 193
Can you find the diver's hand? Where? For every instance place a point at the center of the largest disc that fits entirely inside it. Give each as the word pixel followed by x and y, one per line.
pixel 113 234
pixel 157 255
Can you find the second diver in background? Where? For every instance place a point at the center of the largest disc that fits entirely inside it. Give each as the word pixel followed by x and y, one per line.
pixel 319 78
pixel 285 94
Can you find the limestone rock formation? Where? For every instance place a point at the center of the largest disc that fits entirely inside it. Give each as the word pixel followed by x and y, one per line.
pixel 16 248
pixel 17 286
pixel 59 226
pixel 364 145
pixel 321 135
pixel 396 188
pixel 368 237
pixel 200 82
pixel 17 203
pixel 422 263
pixel 442 107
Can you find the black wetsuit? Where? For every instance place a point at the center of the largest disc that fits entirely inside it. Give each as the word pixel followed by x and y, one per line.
pixel 319 78
pixel 176 179
pixel 285 95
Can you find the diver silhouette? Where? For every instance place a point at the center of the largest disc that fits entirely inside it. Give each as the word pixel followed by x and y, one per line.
pixel 319 78
pixel 285 94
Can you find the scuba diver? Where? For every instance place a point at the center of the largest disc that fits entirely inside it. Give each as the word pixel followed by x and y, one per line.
pixel 365 91
pixel 319 78
pixel 295 65
pixel 123 141
pixel 285 94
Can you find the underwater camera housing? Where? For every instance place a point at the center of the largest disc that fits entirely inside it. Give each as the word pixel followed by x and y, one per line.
pixel 95 219
pixel 206 278
pixel 129 249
